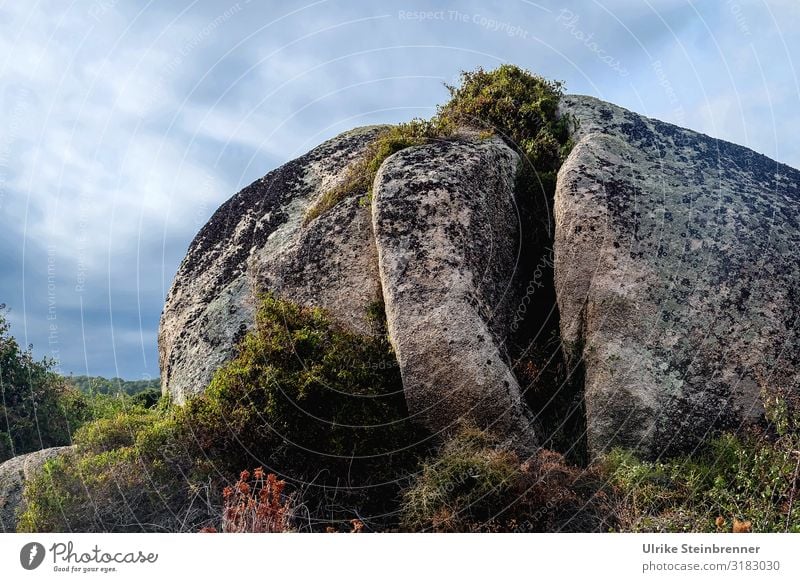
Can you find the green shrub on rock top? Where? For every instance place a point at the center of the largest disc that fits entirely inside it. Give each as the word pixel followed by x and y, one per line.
pixel 509 101
pixel 519 106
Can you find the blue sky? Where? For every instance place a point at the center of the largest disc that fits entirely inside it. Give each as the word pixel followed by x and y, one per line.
pixel 123 124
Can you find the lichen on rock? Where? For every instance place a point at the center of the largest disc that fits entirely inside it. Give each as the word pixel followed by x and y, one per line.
pixel 445 224
pixel 677 276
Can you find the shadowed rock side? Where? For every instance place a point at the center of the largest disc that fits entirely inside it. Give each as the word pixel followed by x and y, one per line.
pixel 445 222
pixel 677 262
pixel 255 242
pixel 13 474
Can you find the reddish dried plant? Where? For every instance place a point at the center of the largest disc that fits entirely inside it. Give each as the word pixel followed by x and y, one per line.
pixel 256 505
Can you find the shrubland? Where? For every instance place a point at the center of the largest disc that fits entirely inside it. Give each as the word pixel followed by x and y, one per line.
pixel 38 408
pixel 314 404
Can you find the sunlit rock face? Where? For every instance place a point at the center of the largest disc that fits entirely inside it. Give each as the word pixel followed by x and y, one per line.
pixel 677 265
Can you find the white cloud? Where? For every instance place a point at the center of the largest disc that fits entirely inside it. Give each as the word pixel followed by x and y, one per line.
pixel 123 125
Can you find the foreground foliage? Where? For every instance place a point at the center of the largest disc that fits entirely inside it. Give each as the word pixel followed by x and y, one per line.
pixel 320 407
pixel 739 483
pixel 256 505
pixel 474 484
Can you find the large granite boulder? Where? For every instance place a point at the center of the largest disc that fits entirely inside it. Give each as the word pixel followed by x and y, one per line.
pixel 446 222
pixel 446 229
pixel 677 262
pixel 257 242
pixel 13 474
pixel 677 272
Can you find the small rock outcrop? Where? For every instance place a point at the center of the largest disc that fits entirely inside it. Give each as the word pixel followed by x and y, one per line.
pixel 256 242
pixel 445 222
pixel 13 474
pixel 677 266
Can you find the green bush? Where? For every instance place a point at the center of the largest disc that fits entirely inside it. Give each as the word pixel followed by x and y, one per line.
pixel 147 398
pixel 308 399
pixel 320 406
pixel 510 101
pixel 749 478
pixel 520 106
pixel 464 487
pixel 115 432
pixel 38 409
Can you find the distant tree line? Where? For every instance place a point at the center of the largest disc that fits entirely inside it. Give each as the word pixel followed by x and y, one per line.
pixel 101 385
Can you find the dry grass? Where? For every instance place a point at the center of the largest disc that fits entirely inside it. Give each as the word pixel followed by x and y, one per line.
pixel 476 485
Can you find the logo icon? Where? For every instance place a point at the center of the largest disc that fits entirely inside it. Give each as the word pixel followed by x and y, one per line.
pixel 31 555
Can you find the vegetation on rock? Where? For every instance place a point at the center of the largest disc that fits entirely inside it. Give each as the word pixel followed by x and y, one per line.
pixel 509 101
pixel 519 106
pixel 360 175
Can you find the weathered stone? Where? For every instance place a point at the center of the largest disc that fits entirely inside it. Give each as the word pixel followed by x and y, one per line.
pixel 256 242
pixel 676 271
pixel 445 223
pixel 13 474
pixel 677 261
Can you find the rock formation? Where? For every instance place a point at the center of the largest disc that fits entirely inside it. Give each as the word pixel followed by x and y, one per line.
pixel 677 269
pixel 256 242
pixel 445 223
pixel 13 474
pixel 676 272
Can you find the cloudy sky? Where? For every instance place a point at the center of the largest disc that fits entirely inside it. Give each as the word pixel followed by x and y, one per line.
pixel 124 124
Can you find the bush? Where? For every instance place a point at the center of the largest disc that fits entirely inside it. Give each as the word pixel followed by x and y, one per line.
pixel 747 479
pixel 117 431
pixel 38 409
pixel 147 398
pixel 520 106
pixel 316 404
pixel 464 487
pixel 476 485
pixel 510 101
